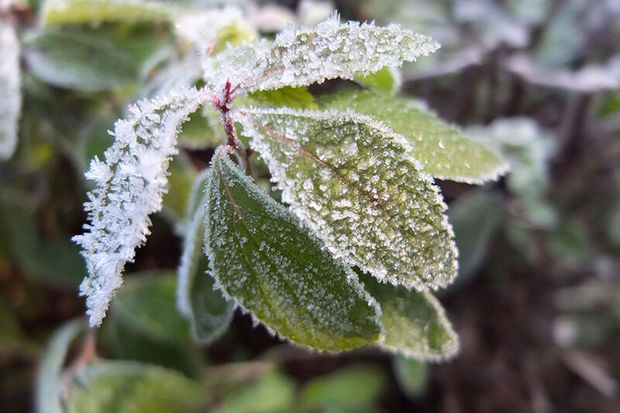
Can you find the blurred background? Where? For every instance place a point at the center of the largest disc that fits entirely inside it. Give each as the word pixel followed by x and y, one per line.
pixel 537 300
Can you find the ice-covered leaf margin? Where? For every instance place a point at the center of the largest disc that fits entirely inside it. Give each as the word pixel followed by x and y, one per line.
pixel 130 185
pixel 307 55
pixel 353 182
pixel 10 95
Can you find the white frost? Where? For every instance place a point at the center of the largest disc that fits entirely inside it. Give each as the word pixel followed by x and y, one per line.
pixel 130 185
pixel 10 95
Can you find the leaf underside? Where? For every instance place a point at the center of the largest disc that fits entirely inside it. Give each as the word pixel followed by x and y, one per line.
pixel 208 311
pixel 271 266
pixel 354 184
pixel 445 152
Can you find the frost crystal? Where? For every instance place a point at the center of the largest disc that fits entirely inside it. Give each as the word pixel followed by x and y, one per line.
pixel 354 183
pixel 130 185
pixel 10 97
pixel 329 50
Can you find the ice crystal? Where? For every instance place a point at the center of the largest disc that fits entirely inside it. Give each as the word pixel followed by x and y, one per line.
pixel 10 101
pixel 264 259
pixel 130 184
pixel 329 50
pixel 354 183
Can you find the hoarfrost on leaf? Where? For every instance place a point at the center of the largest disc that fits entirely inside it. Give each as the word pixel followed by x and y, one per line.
pixel 10 101
pixel 445 151
pixel 270 265
pixel 306 55
pixel 354 183
pixel 130 185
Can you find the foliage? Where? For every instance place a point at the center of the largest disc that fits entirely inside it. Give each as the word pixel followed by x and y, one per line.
pixel 307 188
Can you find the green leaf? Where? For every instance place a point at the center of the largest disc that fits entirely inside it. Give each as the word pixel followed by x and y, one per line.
pixel 48 381
pixel 268 263
pixel 147 304
pixel 78 61
pixel 181 176
pixel 207 310
pixel 292 97
pixel 415 323
pixel 411 375
pixel 145 324
pixel 384 81
pixel 353 182
pixel 129 387
pixel 96 11
pixel 352 389
pixel 445 152
pixel 271 393
pixel 474 218
pixel 202 130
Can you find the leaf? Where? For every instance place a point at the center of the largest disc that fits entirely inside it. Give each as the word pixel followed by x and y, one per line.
pixel 130 185
pixel 199 133
pixel 353 182
pixel 411 375
pixel 129 387
pixel 182 174
pixel 264 260
pixel 306 55
pixel 78 61
pixel 351 389
pixel 97 11
pixel 415 323
pixel 197 298
pixel 48 380
pixel 147 304
pixel 474 218
pixel 10 103
pixel 386 80
pixel 445 152
pixel 145 324
pixel 272 392
pixel 292 97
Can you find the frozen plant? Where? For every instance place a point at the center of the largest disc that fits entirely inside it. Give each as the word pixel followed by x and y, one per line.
pixel 364 239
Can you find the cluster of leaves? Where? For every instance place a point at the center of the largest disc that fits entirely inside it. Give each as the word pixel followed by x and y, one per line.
pixel 83 60
pixel 361 202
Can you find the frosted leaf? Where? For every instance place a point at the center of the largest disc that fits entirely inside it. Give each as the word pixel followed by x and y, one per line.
pixel 10 95
pixel 354 183
pixel 329 50
pixel 263 259
pixel 197 299
pixel 130 184
pixel 415 323
pixel 445 151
